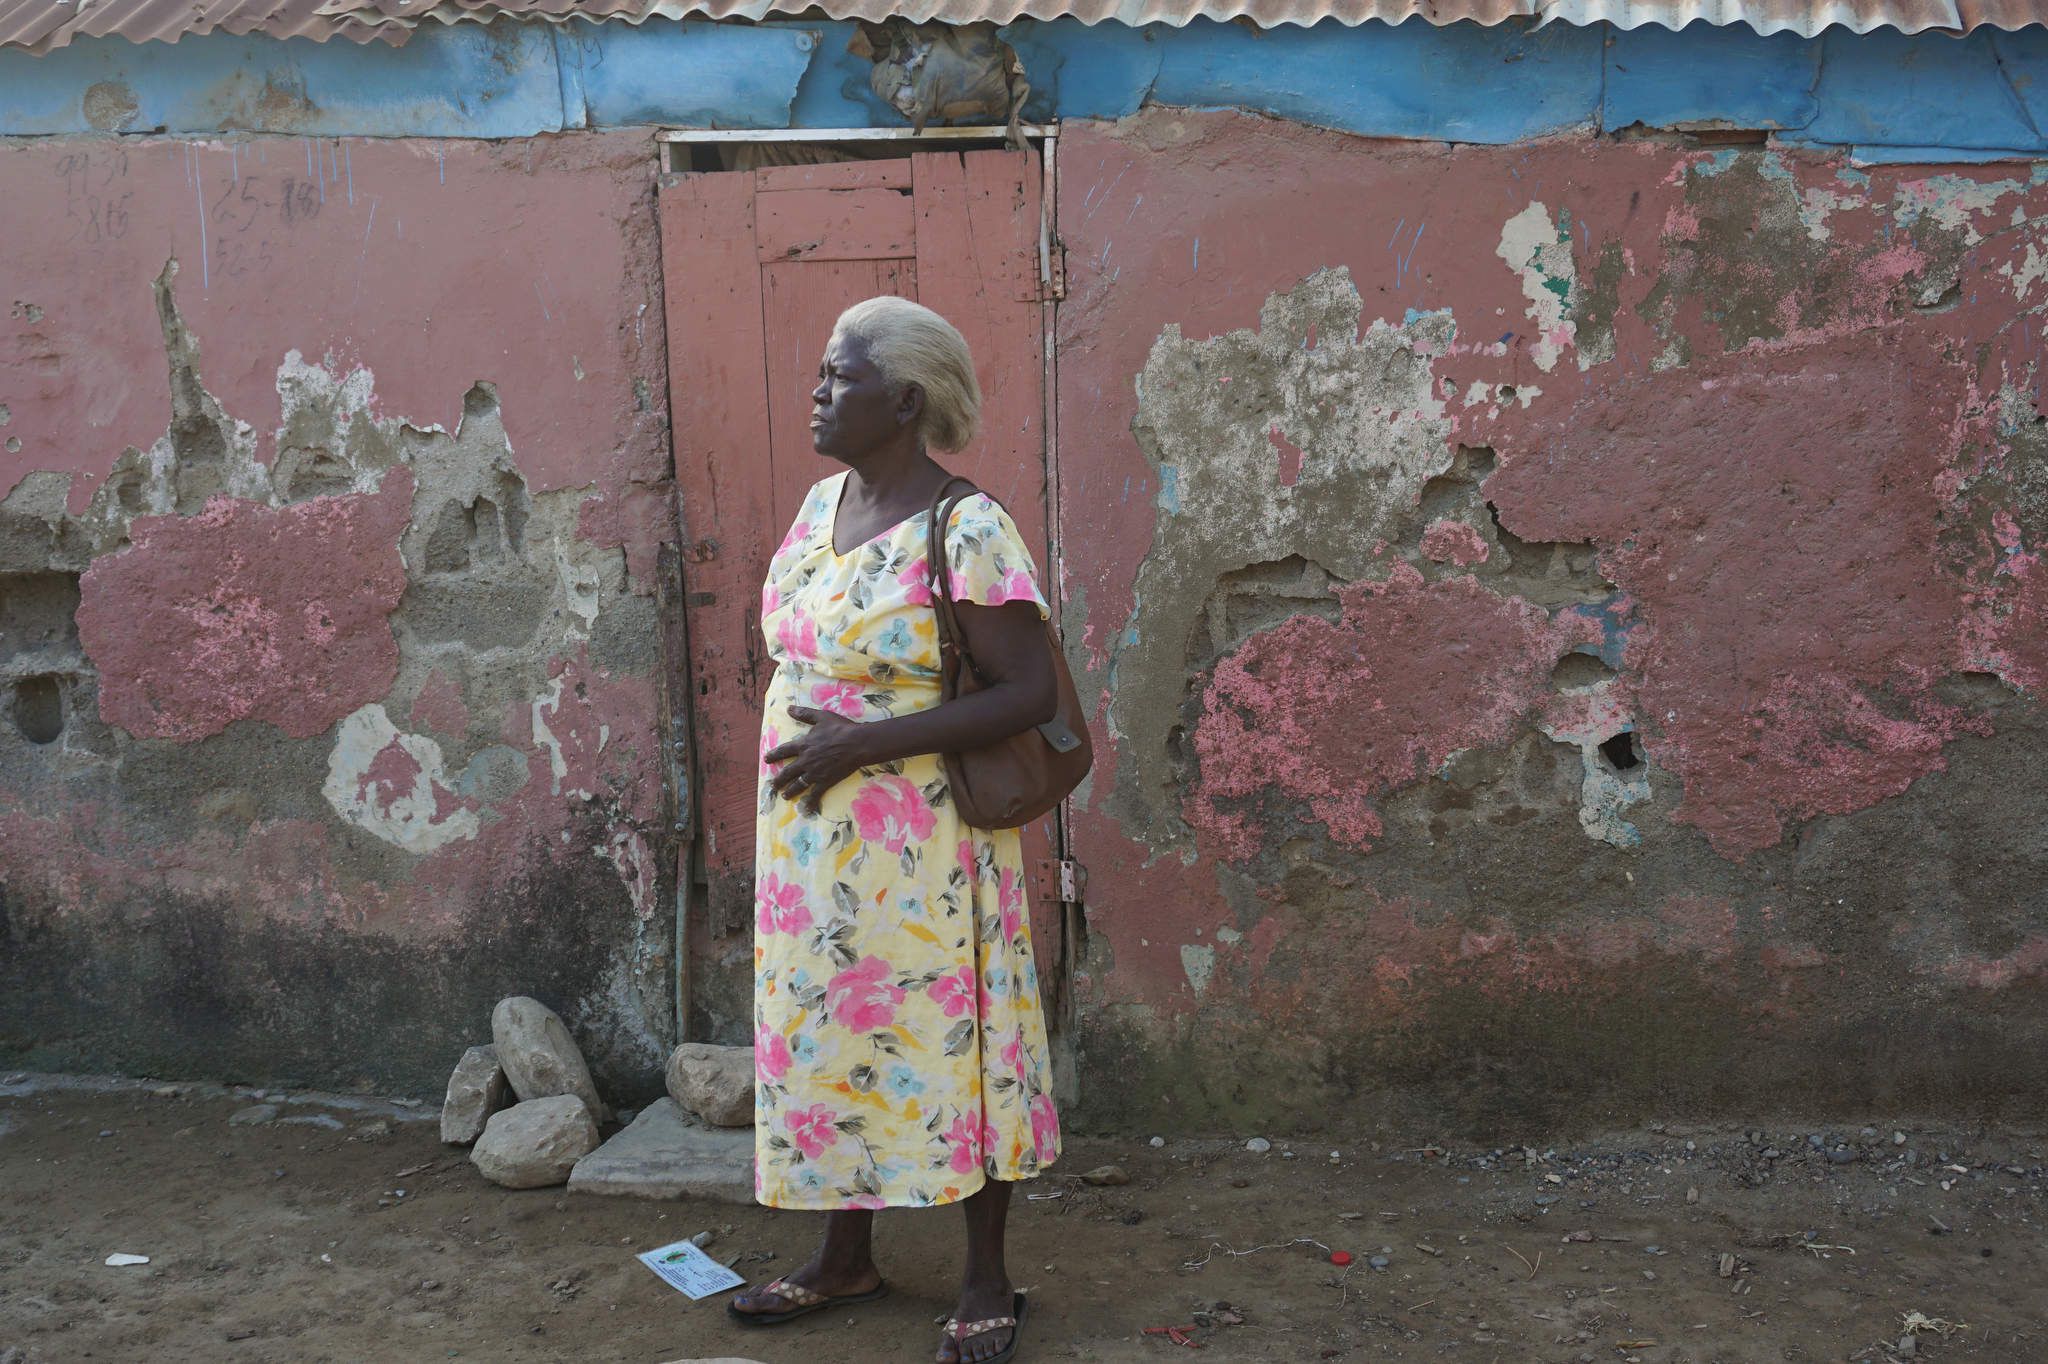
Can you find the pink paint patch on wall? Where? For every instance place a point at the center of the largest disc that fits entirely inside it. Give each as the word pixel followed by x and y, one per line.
pixel 1454 542
pixel 249 612
pixel 1795 618
pixel 439 706
pixel 1332 714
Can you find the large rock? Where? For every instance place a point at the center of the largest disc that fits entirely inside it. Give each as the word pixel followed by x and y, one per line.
pixel 476 1090
pixel 666 1155
pixel 539 1057
pixel 715 1083
pixel 535 1144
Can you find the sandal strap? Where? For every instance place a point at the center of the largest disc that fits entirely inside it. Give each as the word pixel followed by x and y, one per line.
pixel 978 1328
pixel 792 1292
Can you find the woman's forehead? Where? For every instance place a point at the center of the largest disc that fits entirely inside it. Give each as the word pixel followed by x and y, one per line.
pixel 847 352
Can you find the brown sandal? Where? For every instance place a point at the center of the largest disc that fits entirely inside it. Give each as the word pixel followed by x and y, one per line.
pixel 806 1302
pixel 961 1333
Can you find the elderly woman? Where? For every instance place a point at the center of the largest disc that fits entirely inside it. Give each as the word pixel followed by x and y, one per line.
pixel 899 1041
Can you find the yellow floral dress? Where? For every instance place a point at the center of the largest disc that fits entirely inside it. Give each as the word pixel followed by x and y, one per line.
pixel 899 1044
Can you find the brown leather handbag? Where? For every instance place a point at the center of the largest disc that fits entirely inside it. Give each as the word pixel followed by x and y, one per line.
pixel 1015 780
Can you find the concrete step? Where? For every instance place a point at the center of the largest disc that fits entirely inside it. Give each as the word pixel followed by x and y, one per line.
pixel 666 1153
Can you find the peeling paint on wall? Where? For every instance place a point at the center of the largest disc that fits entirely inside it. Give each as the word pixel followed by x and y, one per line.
pixel 1539 251
pixel 210 800
pixel 394 785
pixel 1595 733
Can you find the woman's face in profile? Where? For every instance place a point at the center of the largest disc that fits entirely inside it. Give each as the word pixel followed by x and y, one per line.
pixel 853 409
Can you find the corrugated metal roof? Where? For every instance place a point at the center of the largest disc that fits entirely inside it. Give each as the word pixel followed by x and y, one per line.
pixel 1806 17
pixel 41 25
pixel 44 25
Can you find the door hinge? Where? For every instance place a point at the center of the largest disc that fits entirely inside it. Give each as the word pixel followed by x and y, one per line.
pixel 1059 879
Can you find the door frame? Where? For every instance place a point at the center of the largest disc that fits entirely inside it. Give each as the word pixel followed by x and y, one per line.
pixel 682 772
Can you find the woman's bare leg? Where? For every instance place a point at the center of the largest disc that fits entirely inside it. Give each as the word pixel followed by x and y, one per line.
pixel 985 1289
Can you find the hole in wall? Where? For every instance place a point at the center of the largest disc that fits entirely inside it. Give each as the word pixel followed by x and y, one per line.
pixel 1579 670
pixel 39 709
pixel 1620 751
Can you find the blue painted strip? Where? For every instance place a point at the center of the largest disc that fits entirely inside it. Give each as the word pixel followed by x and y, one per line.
pixel 1707 75
pixel 1928 97
pixel 1884 88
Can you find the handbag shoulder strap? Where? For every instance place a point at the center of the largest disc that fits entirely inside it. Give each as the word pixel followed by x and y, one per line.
pixel 950 637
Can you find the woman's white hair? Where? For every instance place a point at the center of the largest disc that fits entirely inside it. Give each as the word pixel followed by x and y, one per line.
pixel 911 344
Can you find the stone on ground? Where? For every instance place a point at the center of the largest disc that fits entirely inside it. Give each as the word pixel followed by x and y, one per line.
pixel 255 1115
pixel 664 1154
pixel 539 1057
pixel 535 1144
pixel 715 1083
pixel 476 1090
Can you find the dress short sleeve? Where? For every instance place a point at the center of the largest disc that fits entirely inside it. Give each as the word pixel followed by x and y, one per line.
pixel 988 562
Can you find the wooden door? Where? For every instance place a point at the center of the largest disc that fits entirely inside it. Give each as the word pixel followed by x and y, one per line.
pixel 756 266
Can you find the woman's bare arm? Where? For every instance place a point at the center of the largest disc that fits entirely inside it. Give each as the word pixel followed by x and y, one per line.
pixel 1009 644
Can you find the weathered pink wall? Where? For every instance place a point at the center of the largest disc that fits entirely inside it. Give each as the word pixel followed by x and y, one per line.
pixel 334 477
pixel 1565 621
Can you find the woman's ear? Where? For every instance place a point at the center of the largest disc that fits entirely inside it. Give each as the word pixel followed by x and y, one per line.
pixel 910 405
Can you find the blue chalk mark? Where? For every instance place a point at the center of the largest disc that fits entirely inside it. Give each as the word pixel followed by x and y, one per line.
pixel 1198 255
pixel 1169 489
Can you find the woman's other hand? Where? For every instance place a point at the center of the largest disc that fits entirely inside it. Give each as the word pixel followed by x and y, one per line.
pixel 814 762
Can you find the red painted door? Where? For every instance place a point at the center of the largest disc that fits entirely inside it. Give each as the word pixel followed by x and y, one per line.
pixel 756 266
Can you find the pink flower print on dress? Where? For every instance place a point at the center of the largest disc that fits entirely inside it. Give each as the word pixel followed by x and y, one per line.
pixel 969 1140
pixel 770 737
pixel 1010 895
pixel 967 857
pixel 1045 1128
pixel 841 698
pixel 771 1054
pixel 812 1130
pixel 779 906
pixel 889 811
pixel 1013 586
pixel 954 992
pixel 795 537
pixel 1013 1052
pixel 798 635
pixel 861 998
pixel 916 582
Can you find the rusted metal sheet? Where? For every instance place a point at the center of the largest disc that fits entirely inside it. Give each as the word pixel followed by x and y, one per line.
pixel 1806 17
pixel 45 25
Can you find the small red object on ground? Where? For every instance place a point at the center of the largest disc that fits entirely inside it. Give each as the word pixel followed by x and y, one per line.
pixel 1177 1334
pixel 1340 1257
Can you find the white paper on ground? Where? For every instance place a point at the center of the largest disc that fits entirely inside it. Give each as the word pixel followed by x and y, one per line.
pixel 119 1258
pixel 688 1269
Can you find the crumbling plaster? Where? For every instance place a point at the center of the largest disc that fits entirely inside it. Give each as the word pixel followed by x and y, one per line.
pixel 1499 585
pixel 358 704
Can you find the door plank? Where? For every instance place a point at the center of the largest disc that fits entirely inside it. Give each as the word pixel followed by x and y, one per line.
pixel 718 405
pixel 890 174
pixel 834 224
pixel 800 300
pixel 977 265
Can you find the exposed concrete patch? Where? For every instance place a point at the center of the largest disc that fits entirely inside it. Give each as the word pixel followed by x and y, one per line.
pixel 1363 412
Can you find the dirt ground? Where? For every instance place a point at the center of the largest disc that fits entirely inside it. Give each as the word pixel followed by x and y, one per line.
pixel 291 1240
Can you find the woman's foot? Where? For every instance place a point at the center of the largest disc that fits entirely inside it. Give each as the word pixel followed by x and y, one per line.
pixel 980 1301
pixel 825 1275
